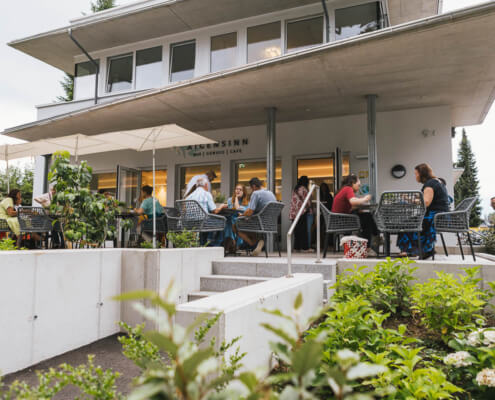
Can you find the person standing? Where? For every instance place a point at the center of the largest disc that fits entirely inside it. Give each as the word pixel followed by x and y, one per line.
pixel 302 232
pixel 260 197
pixel 146 208
pixel 45 200
pixel 436 200
pixel 209 177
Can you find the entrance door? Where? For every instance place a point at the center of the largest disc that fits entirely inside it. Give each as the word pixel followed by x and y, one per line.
pixel 128 185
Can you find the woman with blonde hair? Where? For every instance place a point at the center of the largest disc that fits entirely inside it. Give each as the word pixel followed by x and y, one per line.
pixel 436 200
pixel 239 201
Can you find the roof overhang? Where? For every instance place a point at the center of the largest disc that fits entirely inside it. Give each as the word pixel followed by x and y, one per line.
pixel 140 21
pixel 446 60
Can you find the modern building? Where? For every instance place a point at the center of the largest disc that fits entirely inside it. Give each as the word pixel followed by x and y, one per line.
pixel 286 88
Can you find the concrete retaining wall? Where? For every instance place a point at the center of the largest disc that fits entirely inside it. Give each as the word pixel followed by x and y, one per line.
pixel 58 300
pixel 242 312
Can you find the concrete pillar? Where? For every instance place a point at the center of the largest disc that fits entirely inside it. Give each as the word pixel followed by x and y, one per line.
pixel 372 158
pixel 271 156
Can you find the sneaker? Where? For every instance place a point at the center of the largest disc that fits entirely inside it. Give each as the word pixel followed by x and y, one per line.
pixel 258 248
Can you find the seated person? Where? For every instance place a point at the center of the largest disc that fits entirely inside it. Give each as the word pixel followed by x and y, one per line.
pixel 9 214
pixel 239 201
pixel 193 183
pixel 45 200
pixel 205 200
pixel 260 197
pixel 146 208
pixel 346 202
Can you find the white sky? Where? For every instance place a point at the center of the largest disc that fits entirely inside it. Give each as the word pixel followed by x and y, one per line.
pixel 26 82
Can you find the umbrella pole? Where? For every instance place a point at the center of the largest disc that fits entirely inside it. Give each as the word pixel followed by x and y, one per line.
pixel 77 148
pixel 154 200
pixel 7 168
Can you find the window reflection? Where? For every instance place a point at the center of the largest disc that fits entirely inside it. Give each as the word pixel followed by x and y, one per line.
pixel 183 59
pixel 321 170
pixel 84 80
pixel 223 51
pixel 160 184
pixel 352 21
pixel 186 173
pixel 244 171
pixel 104 181
pixel 149 68
pixel 264 41
pixel 119 73
pixel 304 33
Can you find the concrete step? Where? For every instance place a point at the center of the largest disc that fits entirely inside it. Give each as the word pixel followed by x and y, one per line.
pixel 222 283
pixel 272 267
pixel 199 295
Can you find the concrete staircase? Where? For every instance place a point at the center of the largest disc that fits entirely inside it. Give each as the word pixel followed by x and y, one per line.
pixel 236 272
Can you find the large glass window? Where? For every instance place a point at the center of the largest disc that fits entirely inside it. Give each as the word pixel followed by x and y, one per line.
pixel 223 51
pixel 186 173
pixel 84 80
pixel 160 183
pixel 264 41
pixel 149 68
pixel 244 171
pixel 352 21
pixel 182 61
pixel 106 182
pixel 321 170
pixel 304 33
pixel 119 73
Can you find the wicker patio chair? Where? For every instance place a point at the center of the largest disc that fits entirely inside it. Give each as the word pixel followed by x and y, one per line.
pixel 4 227
pixel 173 219
pixel 265 222
pixel 194 218
pixel 338 224
pixel 34 220
pixel 400 212
pixel 457 222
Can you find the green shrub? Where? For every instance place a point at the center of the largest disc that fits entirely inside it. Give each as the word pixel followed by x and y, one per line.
pixel 7 244
pixel 489 242
pixel 184 239
pixel 136 348
pixel 386 286
pixel 447 304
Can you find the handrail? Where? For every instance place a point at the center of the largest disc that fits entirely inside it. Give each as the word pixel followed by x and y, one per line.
pixel 296 220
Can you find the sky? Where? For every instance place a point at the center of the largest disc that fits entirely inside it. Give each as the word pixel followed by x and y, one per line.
pixel 26 82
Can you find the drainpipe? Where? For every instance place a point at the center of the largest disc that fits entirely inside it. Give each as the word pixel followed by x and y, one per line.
pixel 327 21
pixel 91 59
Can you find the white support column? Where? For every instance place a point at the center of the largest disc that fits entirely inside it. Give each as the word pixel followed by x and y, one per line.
pixel 372 158
pixel 271 156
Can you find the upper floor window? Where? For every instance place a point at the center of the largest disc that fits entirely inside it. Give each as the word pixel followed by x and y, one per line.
pixel 84 80
pixel 223 51
pixel 182 61
pixel 263 41
pixel 149 68
pixel 352 21
pixel 304 33
pixel 120 73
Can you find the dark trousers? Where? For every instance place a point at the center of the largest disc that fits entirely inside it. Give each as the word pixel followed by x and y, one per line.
pixel 368 226
pixel 301 234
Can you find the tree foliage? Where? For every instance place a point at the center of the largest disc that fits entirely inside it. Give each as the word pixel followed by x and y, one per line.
pixel 20 178
pixel 67 82
pixel 468 183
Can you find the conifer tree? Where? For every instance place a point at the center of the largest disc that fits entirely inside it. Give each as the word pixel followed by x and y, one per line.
pixel 468 183
pixel 68 82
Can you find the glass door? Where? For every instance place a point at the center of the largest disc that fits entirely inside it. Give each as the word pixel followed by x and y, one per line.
pixel 128 186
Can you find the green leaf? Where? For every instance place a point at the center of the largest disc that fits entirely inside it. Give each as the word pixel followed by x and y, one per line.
pixel 249 380
pixel 280 333
pixel 163 342
pixel 365 370
pixel 307 357
pixel 298 302
pixel 192 363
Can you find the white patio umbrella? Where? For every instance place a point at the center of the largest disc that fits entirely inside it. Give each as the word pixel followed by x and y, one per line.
pixel 21 150
pixel 158 137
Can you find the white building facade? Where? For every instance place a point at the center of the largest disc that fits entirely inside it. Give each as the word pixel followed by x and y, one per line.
pixel 329 81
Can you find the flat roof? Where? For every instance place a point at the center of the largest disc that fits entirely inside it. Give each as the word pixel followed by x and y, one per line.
pixel 138 21
pixel 445 60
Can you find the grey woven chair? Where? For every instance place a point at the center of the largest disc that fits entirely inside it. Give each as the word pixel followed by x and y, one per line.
pixel 265 222
pixel 4 227
pixel 400 212
pixel 457 222
pixel 338 224
pixel 194 218
pixel 173 219
pixel 34 220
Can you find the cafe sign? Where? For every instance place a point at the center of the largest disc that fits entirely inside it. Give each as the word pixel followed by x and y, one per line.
pixel 220 148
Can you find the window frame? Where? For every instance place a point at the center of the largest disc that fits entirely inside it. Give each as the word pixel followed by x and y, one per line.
pixel 282 36
pixel 171 57
pixel 383 19
pixel 307 17
pixel 236 47
pixel 134 81
pixel 133 75
pixel 75 78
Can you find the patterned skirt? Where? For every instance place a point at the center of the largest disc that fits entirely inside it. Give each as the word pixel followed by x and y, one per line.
pixel 408 242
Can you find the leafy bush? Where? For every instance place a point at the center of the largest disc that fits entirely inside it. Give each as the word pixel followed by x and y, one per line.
pixel 7 244
pixel 447 304
pixel 184 239
pixel 489 242
pixel 92 381
pixel 386 286
pixel 136 348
